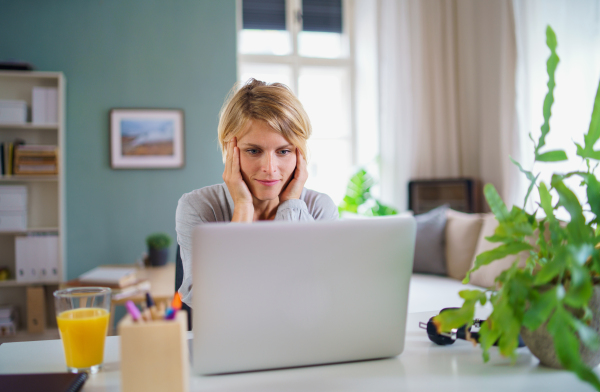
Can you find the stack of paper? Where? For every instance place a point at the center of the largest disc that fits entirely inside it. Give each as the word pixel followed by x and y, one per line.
pixel 110 276
pixel 36 159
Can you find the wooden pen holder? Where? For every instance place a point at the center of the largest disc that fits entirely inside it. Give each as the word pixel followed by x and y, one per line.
pixel 154 355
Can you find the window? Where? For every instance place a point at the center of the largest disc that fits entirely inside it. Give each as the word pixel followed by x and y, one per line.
pixel 306 44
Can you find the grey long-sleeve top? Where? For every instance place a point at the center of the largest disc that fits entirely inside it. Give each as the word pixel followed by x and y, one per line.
pixel 214 204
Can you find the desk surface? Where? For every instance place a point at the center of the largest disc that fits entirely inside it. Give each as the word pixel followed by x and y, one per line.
pixel 422 367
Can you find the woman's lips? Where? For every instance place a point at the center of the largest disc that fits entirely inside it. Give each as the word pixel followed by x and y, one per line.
pixel 268 182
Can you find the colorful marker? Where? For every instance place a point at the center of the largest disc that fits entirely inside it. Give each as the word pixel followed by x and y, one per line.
pixel 133 311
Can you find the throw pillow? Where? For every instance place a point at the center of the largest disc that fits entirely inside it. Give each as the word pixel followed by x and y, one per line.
pixel 462 233
pixel 485 276
pixel 430 257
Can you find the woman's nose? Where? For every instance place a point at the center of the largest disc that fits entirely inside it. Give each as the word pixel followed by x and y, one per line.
pixel 269 164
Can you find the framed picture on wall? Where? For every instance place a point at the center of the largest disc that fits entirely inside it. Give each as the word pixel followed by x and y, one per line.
pixel 146 139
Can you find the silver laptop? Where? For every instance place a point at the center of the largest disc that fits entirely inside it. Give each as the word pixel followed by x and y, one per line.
pixel 279 294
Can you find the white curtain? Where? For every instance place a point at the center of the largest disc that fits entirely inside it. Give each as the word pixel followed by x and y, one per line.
pixel 447 93
pixel 577 27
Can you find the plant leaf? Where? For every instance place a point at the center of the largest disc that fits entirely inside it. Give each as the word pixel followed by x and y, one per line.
pixel 577 228
pixel 549 271
pixel 495 202
pixel 567 347
pixel 551 65
pixel 456 318
pixel 500 252
pixel 593 133
pixel 357 191
pixel 540 309
pixel 580 290
pixel 593 194
pixel 588 336
pixel 552 156
pixel 546 201
pixel 380 209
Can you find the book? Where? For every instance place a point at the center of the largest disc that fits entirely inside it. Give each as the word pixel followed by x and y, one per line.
pixel 35 159
pixel 139 288
pixel 137 285
pixel 47 382
pixel 2 165
pixel 118 276
pixel 9 159
pixel 38 148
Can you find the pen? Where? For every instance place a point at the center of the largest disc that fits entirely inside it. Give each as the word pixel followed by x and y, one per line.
pixel 175 306
pixel 176 303
pixel 152 306
pixel 133 311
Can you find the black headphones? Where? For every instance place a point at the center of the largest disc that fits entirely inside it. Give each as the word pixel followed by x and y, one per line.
pixel 447 338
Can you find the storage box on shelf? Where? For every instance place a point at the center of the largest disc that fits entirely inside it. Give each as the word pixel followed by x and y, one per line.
pixel 32 176
pixel 13 111
pixel 13 208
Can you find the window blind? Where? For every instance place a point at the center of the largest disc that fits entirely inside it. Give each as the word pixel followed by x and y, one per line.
pixel 263 14
pixel 322 15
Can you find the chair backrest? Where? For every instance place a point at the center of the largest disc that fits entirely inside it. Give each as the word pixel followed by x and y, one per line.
pixel 178 281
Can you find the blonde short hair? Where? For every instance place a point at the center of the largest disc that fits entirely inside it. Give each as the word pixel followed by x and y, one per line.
pixel 273 103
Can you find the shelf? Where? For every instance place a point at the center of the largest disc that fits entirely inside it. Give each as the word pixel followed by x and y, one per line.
pixel 30 74
pixel 14 283
pixel 22 178
pixel 24 336
pixel 31 230
pixel 50 127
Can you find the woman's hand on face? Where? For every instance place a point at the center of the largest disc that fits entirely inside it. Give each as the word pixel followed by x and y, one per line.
pixel 242 198
pixel 293 190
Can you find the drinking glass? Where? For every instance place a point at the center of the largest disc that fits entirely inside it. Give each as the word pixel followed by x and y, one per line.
pixel 82 315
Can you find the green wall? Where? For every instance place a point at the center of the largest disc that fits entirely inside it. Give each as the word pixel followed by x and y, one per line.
pixel 127 53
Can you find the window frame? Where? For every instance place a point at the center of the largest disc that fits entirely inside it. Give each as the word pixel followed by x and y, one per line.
pixel 296 61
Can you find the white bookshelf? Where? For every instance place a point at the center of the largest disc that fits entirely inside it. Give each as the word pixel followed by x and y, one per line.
pixel 45 194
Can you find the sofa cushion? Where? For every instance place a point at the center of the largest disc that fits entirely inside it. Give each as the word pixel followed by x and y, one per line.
pixel 430 256
pixel 486 275
pixel 462 234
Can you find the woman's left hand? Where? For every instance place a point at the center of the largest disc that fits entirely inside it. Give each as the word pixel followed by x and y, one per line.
pixel 293 190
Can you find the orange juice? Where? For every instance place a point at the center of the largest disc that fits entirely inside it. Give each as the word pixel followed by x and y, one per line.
pixel 83 332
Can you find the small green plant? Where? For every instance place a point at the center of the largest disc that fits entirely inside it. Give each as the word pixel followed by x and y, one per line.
pixel 358 193
pixel 158 241
pixel 555 286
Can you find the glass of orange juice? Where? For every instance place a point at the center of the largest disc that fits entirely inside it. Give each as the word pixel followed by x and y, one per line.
pixel 82 315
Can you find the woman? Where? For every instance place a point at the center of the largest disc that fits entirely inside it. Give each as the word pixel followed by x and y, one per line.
pixel 263 130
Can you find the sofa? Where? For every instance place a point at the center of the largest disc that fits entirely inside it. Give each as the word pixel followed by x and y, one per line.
pixel 447 244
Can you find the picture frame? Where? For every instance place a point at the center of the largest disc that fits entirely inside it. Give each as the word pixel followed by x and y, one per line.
pixel 146 138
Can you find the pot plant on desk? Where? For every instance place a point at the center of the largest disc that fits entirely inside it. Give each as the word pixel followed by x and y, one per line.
pixel 158 249
pixel 553 302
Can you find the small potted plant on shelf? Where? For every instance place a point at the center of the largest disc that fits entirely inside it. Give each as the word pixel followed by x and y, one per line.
pixel 158 248
pixel 553 302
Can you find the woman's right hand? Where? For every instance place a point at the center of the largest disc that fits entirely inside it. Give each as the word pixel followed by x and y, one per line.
pixel 242 198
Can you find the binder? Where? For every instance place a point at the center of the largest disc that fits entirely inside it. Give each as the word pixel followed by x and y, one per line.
pixel 36 258
pixel 38 105
pixel 23 257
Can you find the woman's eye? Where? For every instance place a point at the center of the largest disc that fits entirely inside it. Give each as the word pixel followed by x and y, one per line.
pixel 252 151
pixel 285 152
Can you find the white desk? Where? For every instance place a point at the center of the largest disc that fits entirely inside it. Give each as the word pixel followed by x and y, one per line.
pixel 422 367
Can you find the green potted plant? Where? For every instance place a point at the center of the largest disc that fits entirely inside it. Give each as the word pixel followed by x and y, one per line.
pixel 554 301
pixel 358 198
pixel 158 248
